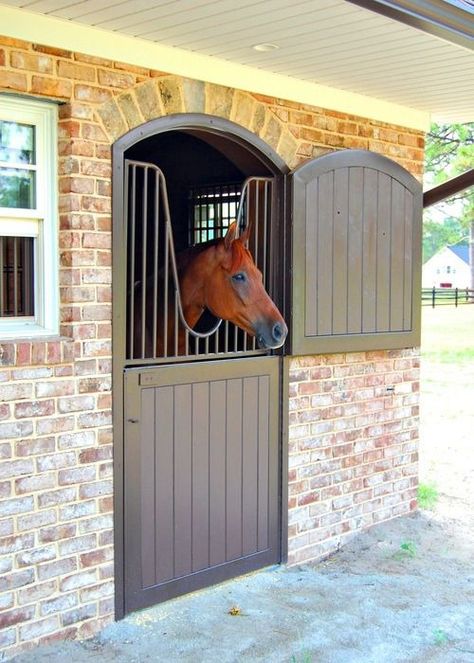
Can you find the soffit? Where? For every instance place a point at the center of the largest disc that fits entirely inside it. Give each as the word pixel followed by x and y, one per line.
pixel 327 42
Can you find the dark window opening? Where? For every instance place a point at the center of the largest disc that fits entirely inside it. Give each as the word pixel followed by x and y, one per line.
pixel 16 276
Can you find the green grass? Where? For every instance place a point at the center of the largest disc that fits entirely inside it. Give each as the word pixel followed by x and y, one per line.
pixel 407 550
pixel 438 343
pixel 427 496
pixel 439 636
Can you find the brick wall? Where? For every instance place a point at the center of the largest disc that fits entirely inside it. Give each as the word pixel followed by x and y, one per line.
pixel 352 443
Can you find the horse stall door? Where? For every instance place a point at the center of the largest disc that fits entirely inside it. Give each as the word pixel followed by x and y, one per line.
pixel 201 486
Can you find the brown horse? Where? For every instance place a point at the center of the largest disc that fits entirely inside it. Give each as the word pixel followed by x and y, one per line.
pixel 221 276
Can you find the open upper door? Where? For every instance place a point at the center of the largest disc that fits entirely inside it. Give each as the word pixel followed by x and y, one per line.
pixel 356 254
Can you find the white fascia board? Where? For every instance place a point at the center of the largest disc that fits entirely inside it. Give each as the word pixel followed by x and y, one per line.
pixel 50 31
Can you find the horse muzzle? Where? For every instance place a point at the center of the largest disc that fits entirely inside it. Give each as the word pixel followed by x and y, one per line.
pixel 271 337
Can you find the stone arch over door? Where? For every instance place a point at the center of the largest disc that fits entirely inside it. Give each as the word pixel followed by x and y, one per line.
pixel 170 95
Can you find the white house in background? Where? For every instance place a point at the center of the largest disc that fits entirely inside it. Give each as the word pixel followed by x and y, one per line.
pixel 449 268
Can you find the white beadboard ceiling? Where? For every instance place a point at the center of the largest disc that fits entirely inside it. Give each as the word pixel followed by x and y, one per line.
pixel 330 42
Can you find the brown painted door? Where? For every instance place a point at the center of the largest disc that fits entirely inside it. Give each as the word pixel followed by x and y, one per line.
pixel 201 487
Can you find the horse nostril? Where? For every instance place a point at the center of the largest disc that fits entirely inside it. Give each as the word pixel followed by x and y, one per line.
pixel 277 332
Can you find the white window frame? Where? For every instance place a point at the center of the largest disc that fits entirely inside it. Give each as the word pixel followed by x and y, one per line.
pixel 40 223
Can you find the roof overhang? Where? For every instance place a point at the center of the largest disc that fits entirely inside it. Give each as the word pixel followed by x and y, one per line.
pixel 346 58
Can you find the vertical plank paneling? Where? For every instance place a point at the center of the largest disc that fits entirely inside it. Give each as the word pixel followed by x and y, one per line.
pixel 408 220
pixel 217 472
pixel 324 284
pixel 200 481
pixel 359 228
pixel 311 257
pixel 147 511
pixel 369 251
pixel 384 210
pixel 355 250
pixel 340 224
pixel 182 479
pixel 234 470
pixel 397 262
pixel 164 518
pixel 263 461
pixel 250 467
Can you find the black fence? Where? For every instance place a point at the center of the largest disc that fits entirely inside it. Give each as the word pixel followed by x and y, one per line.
pixel 440 296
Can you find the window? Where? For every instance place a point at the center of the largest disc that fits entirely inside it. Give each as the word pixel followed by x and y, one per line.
pixel 212 209
pixel 28 219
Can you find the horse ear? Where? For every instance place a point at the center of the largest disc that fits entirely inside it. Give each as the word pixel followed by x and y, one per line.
pixel 230 235
pixel 245 235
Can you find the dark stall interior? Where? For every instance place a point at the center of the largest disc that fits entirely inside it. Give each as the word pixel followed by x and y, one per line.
pixel 204 174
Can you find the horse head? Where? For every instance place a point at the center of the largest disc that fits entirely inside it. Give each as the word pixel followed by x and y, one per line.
pixel 230 285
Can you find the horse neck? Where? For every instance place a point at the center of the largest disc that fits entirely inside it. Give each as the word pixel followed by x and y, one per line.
pixel 194 268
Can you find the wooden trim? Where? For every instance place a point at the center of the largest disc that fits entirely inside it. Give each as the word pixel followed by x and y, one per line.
pixel 448 188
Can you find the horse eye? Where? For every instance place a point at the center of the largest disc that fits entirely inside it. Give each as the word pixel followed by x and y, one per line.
pixel 240 277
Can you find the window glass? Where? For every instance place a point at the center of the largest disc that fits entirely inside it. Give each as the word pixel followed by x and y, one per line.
pixel 17 143
pixel 17 188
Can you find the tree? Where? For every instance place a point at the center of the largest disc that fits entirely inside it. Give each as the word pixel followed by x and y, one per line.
pixel 449 152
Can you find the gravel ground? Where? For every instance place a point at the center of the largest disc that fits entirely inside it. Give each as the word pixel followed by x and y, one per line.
pixel 400 592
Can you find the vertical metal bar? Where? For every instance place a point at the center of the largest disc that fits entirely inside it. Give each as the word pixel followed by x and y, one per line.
pixel 144 256
pixel 433 297
pixel 165 289
pixel 155 265
pixel 265 238
pixel 206 346
pixel 456 297
pixel 186 343
pixel 130 224
pixel 176 323
pixel 216 341
pixel 226 337
pixel 15 276
pixel 2 277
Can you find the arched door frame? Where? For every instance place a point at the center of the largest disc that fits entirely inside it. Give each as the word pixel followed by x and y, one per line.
pixel 277 166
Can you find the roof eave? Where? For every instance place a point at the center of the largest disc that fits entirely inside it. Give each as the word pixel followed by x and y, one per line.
pixel 435 17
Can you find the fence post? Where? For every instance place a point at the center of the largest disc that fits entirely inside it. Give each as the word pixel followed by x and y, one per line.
pixel 456 297
pixel 433 297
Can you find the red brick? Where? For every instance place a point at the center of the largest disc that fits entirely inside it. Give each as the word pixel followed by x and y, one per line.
pixel 79 580
pixel 40 63
pixel 55 569
pixel 80 614
pixel 57 533
pixel 16 616
pixel 51 87
pixel 16 579
pixel 116 79
pixel 10 544
pixel 95 557
pixel 91 94
pixel 76 475
pixel 14 81
pixel 55 497
pixel 96 240
pixel 34 483
pixel 36 556
pixel 38 628
pixel 28 409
